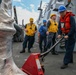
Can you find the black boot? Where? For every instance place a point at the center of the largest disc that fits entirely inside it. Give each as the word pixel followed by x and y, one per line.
pixel 54 52
pixel 29 51
pixel 41 51
pixel 64 66
pixel 23 51
pixel 71 62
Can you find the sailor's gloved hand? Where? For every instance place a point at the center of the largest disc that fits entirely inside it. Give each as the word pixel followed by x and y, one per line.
pixel 47 33
pixel 59 36
pixel 26 30
pixel 66 37
pixel 35 31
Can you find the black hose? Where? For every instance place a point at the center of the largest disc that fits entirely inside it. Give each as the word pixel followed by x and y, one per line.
pixel 47 52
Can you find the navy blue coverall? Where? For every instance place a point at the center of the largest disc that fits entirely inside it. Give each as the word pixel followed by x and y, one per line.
pixel 43 37
pixel 51 39
pixel 69 43
pixel 28 40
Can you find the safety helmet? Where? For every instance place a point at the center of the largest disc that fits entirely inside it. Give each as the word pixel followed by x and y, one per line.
pixel 44 21
pixel 61 8
pixel 31 19
pixel 52 15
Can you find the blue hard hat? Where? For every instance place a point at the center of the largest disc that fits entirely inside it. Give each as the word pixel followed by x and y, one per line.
pixel 61 8
pixel 44 21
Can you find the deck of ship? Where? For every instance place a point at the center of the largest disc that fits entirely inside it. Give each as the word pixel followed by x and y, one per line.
pixel 52 62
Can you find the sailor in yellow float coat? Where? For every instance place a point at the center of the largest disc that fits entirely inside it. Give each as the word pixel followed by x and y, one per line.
pixel 52 28
pixel 30 30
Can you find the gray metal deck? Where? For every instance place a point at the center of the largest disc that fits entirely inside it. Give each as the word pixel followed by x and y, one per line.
pixel 52 62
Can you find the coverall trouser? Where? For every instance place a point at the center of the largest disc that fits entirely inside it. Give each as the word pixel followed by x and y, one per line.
pixel 28 40
pixel 41 40
pixel 33 40
pixel 69 46
pixel 51 41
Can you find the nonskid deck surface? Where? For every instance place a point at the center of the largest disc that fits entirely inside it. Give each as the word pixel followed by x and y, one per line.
pixel 52 62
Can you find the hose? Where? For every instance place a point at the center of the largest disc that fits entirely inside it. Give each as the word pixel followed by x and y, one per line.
pixel 42 55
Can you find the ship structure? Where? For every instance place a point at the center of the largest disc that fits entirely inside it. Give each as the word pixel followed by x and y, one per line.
pixel 52 7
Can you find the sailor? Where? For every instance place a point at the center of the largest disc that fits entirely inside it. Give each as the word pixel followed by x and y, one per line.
pixel 30 30
pixel 52 28
pixel 67 27
pixel 42 36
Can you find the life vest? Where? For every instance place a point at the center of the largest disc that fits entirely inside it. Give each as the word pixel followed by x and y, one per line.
pixel 53 26
pixel 65 23
pixel 30 29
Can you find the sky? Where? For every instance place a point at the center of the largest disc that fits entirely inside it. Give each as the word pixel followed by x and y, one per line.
pixel 28 8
